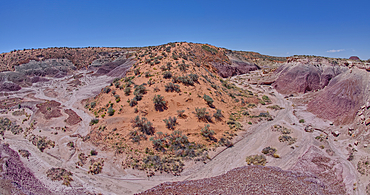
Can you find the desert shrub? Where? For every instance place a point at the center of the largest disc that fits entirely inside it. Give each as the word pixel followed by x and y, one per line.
pixel 183 67
pixel 93 152
pixel 275 107
pixel 111 111
pixel 58 174
pixel 202 114
pixel 218 115
pixel 225 142
pixel 287 138
pixel 143 125
pixel 168 66
pixel 214 86
pixel 140 90
pixel 156 89
pixel 170 122
pixel 256 160
pixel 150 82
pixel 136 137
pixel 159 102
pixel 266 98
pixel 170 87
pixel 94 121
pixel 129 83
pixel 24 153
pixel 168 49
pixel 127 90
pixel 269 151
pixel 137 71
pixel 147 74
pixel 194 77
pixel 180 113
pixel 92 104
pixel 208 99
pixel 159 141
pixel 115 80
pixel 177 140
pixel 41 142
pixel 301 121
pixel 117 84
pixel 234 125
pixel 96 166
pixel 106 90
pixel 71 144
pixel 133 102
pixel 163 68
pixel 168 165
pixel 207 133
pixel 167 75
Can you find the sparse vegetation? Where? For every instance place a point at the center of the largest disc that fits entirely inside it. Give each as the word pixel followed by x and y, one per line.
pixel 57 174
pixel 207 133
pixel 287 138
pixel 24 153
pixel 208 99
pixel 180 113
pixel 170 87
pixel 167 75
pixel 111 111
pixel 270 151
pixel 96 166
pixel 256 160
pixel 218 115
pixel 127 90
pixel 143 125
pixel 171 122
pixel 159 102
pixel 202 114
pixel 209 49
pixel 94 121
pixel 275 107
pixel 301 121
pixel 7 125
pixel 93 152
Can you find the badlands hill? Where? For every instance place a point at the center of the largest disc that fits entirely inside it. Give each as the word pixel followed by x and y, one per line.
pixel 124 120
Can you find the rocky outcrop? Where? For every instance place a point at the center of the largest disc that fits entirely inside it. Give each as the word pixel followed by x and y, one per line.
pixel 342 98
pixel 248 180
pixel 9 86
pixel 302 77
pixel 330 172
pixel 15 178
pixel 235 68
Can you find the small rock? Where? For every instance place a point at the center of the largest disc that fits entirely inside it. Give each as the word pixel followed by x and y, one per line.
pixel 336 133
pixel 367 122
pixel 356 143
pixel 365 145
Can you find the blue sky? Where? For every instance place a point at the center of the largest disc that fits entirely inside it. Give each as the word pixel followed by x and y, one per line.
pixel 333 28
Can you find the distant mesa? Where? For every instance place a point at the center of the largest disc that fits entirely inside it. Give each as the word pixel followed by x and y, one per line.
pixel 354 58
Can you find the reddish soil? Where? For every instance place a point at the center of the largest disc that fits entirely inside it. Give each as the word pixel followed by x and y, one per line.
pixel 50 109
pixel 73 118
pixel 8 103
pixel 340 100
